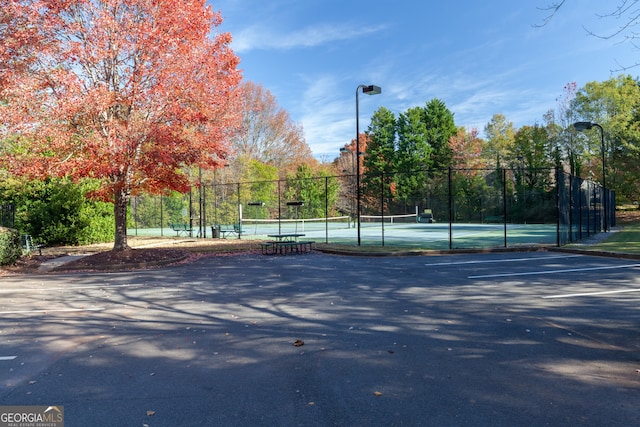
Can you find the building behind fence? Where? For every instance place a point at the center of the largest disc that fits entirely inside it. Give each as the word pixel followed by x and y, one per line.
pixel 515 202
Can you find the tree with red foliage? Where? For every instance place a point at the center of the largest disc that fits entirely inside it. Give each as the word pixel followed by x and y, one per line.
pixel 129 92
pixel 466 147
pixel 268 134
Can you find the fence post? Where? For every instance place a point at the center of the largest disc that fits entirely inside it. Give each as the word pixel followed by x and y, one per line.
pixel 450 212
pixel 558 213
pixel 326 209
pixel 190 209
pixel 504 204
pixel 239 213
pixel 382 204
pixel 279 209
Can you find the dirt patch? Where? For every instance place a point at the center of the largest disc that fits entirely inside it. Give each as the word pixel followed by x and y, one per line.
pixel 24 265
pixel 123 260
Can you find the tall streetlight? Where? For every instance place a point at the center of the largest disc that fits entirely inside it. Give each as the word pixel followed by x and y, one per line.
pixel 369 90
pixel 582 126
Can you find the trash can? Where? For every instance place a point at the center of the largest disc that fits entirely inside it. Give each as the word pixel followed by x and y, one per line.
pixel 215 232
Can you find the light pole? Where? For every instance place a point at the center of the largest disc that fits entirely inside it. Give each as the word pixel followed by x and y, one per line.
pixel 581 126
pixel 369 90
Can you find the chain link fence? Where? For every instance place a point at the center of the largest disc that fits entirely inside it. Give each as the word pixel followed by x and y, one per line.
pixel 7 215
pixel 429 209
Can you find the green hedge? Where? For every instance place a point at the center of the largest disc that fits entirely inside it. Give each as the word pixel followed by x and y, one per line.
pixel 56 211
pixel 10 248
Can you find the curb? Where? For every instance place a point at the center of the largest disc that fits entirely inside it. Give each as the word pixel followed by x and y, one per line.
pixel 428 252
pixel 596 253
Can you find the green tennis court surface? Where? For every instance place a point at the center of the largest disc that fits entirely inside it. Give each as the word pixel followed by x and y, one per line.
pixel 438 236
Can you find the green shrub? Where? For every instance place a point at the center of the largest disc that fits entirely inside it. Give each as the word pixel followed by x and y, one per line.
pixel 10 248
pixel 56 212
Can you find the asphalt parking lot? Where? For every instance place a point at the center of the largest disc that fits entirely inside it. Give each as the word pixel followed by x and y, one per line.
pixel 499 339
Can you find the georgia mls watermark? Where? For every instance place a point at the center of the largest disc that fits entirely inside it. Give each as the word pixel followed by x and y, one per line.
pixel 31 416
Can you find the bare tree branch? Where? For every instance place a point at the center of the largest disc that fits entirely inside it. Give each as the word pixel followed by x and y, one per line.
pixel 552 9
pixel 626 13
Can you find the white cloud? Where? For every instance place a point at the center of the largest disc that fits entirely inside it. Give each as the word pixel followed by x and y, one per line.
pixel 327 115
pixel 262 37
pixel 328 112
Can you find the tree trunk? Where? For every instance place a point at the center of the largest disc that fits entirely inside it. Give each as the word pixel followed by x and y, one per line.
pixel 120 211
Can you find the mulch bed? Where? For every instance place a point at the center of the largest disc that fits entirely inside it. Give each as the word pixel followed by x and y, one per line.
pixel 101 261
pixel 25 265
pixel 131 258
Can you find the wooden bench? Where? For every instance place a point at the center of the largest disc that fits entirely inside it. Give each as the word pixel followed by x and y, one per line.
pixel 181 228
pixel 28 246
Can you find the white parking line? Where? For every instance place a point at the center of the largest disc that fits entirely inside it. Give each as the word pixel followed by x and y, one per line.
pixel 588 294
pixel 568 270
pixel 4 358
pixel 491 261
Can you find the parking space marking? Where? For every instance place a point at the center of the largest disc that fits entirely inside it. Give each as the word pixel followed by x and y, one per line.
pixel 490 261
pixel 5 358
pixel 589 294
pixel 567 270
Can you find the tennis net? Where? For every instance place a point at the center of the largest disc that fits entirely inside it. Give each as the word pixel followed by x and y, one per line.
pixel 270 226
pixel 389 219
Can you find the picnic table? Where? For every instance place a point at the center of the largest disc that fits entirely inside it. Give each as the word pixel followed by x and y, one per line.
pixel 287 237
pixel 286 243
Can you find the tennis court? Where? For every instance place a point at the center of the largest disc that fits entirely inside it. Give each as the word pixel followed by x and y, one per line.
pixel 398 230
pixel 472 209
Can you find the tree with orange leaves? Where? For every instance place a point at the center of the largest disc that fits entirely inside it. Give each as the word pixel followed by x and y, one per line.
pixel 466 147
pixel 126 91
pixel 268 134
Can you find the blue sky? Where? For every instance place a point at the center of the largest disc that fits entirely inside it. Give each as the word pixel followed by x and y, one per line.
pixel 479 57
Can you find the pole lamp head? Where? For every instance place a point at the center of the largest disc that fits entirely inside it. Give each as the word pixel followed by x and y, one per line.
pixel 580 126
pixel 372 90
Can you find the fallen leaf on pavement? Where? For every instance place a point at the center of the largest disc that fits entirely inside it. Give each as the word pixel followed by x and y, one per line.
pixel 298 343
